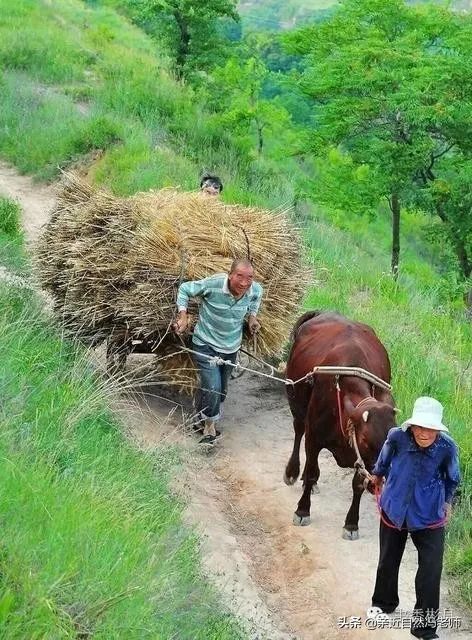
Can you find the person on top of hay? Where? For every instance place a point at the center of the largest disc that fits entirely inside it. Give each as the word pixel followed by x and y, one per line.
pixel 227 300
pixel 211 185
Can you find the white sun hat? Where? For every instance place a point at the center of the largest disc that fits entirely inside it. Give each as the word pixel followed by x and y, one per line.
pixel 427 413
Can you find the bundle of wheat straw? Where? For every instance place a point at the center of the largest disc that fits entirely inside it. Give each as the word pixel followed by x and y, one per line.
pixel 116 263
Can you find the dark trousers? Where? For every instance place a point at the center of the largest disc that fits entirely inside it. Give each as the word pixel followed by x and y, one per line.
pixel 213 380
pixel 430 546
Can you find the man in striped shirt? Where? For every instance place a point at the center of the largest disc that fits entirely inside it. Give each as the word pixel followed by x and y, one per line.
pixel 226 301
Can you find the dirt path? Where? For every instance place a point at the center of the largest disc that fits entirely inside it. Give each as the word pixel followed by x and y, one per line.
pixel 284 582
pixel 36 200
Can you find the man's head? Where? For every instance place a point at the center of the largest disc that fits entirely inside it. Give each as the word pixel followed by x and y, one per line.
pixel 211 185
pixel 240 277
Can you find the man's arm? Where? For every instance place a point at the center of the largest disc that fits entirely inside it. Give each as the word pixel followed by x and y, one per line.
pixel 255 301
pixel 190 289
pixel 254 304
pixel 187 290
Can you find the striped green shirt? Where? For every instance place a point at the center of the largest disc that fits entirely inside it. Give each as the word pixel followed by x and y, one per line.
pixel 221 316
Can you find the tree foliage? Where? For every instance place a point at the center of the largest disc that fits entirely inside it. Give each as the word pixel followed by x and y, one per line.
pixel 189 28
pixel 450 196
pixel 239 99
pixel 268 47
pixel 391 86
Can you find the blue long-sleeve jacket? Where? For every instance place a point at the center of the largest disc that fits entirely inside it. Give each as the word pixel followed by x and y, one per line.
pixel 419 481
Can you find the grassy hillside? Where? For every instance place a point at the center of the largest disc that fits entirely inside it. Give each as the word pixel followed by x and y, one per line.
pixel 11 238
pixel 86 81
pixel 79 83
pixel 92 539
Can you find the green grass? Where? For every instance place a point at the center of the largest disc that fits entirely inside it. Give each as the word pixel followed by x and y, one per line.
pixel 13 255
pixel 10 224
pixel 77 78
pixel 63 42
pixel 39 128
pixel 92 539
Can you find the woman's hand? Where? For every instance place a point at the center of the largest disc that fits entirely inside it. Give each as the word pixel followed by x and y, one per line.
pixel 376 483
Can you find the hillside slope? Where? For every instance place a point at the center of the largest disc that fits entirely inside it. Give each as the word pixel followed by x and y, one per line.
pixel 81 85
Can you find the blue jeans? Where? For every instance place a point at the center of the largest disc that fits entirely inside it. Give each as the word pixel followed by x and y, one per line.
pixel 213 381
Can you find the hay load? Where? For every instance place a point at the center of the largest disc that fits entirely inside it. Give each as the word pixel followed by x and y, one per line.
pixel 114 264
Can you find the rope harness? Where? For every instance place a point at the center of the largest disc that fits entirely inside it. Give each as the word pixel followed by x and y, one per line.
pixel 350 433
pixel 350 436
pixel 319 370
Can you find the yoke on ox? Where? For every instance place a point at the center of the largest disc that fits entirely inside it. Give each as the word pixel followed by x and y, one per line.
pixel 330 410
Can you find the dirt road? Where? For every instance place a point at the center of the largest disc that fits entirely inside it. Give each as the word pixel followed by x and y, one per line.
pixel 36 200
pixel 284 582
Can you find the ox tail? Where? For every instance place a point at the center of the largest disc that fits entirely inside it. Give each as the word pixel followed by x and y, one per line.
pixel 301 320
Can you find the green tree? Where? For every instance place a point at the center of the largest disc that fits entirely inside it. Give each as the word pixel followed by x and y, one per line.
pixel 347 185
pixel 190 28
pixel 268 47
pixel 239 99
pixel 450 196
pixel 390 85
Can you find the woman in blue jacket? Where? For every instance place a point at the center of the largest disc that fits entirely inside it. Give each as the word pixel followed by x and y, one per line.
pixel 417 472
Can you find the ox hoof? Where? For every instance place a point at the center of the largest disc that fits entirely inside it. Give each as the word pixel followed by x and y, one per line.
pixel 289 479
pixel 301 521
pixel 350 535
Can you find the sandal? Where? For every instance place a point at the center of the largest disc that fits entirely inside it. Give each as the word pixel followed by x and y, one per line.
pixel 198 428
pixel 209 440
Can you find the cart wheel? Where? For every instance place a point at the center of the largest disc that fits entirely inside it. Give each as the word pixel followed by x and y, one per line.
pixel 243 359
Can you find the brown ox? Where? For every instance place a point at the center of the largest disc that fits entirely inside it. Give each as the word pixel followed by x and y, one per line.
pixel 322 338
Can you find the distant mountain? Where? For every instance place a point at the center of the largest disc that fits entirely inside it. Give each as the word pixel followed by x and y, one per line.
pixel 464 5
pixel 275 15
pixel 270 15
pixel 461 5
